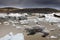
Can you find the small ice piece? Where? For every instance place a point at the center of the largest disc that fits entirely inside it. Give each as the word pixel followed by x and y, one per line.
pixel 58 25
pixel 18 27
pixel 24 22
pixel 24 25
pixel 46 30
pixel 16 22
pixel 14 25
pixel 18 36
pixel 53 37
pixel 7 37
pixel 6 23
pixel 10 34
pixel 35 20
pixel 40 19
pixel 0 23
pixel 52 29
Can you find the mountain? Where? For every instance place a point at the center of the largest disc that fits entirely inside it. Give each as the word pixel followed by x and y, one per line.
pixel 28 10
pixel 36 10
pixel 7 9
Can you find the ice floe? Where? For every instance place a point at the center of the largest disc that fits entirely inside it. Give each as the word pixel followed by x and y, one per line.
pixel 10 36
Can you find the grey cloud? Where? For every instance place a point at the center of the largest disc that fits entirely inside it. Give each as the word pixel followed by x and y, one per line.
pixel 31 3
pixel 10 2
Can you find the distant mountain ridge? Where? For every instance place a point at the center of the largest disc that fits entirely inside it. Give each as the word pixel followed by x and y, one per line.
pixel 28 10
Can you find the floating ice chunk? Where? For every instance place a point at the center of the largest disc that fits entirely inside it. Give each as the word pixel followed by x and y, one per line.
pixel 10 36
pixel 58 25
pixel 24 22
pixel 51 18
pixel 25 14
pixel 35 20
pixel 46 30
pixel 14 25
pixel 40 19
pixel 14 15
pixel 16 22
pixel 24 25
pixel 3 14
pixel 52 29
pixel 18 27
pixel 0 23
pixel 53 37
pixel 6 23
pixel 18 36
pixel 7 37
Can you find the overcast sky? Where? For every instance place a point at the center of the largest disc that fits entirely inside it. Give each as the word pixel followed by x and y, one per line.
pixel 31 3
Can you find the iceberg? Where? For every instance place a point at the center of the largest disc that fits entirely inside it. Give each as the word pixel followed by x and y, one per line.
pixel 10 36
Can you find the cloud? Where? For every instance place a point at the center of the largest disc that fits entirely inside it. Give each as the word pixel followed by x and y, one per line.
pixel 10 2
pixel 31 3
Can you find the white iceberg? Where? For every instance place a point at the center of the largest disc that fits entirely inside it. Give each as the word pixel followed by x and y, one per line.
pixel 51 18
pixel 18 36
pixel 10 36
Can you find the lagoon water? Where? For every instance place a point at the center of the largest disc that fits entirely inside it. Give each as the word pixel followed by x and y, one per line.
pixel 43 22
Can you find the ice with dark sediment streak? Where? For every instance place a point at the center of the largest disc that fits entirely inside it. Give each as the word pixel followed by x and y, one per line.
pixel 51 18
